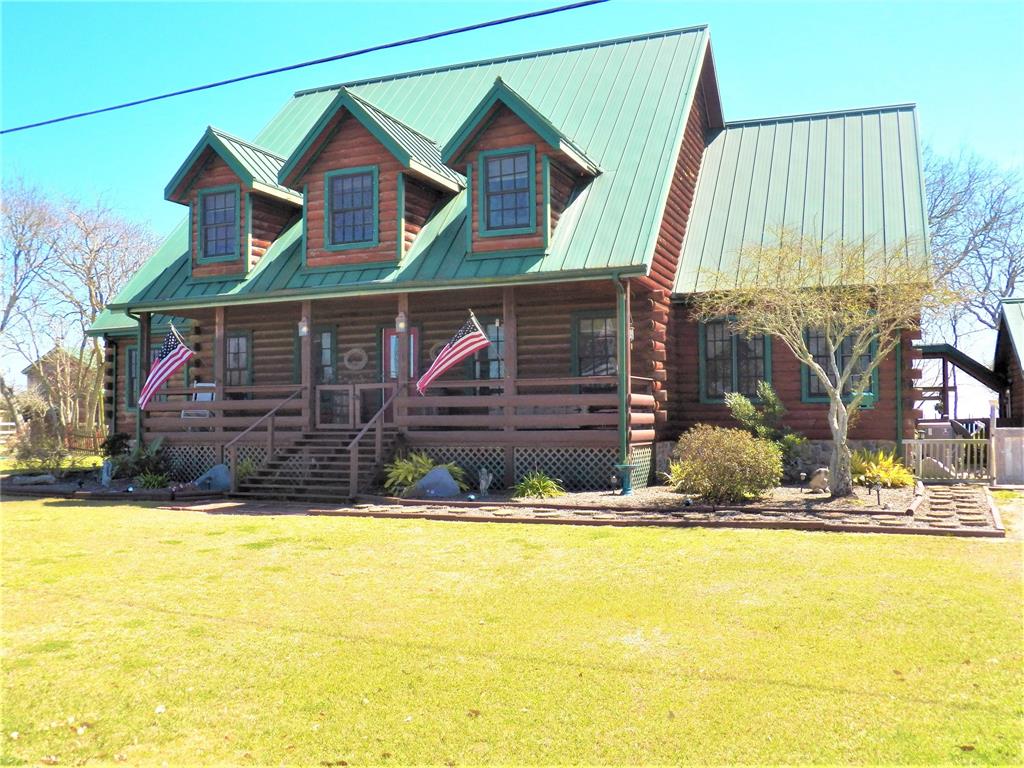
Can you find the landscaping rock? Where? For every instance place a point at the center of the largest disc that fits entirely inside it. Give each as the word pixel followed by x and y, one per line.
pixel 218 478
pixel 438 483
pixel 46 479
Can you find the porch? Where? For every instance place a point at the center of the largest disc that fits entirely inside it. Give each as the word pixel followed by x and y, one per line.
pixel 553 389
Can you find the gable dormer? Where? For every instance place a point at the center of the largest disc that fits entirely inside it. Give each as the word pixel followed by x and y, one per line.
pixel 521 173
pixel 370 182
pixel 236 206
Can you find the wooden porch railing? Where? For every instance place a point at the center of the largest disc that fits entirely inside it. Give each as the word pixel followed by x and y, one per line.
pixel 231 447
pixel 177 415
pixel 377 422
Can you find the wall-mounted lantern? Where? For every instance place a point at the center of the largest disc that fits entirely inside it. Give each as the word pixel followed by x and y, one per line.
pixel 303 327
pixel 401 323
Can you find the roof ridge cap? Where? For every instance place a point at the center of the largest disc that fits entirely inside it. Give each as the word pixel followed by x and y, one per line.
pixel 506 58
pixel 240 140
pixel 822 113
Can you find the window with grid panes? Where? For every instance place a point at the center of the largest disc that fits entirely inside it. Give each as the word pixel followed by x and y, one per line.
pixel 819 351
pixel 507 185
pixel 731 363
pixel 352 205
pixel 219 224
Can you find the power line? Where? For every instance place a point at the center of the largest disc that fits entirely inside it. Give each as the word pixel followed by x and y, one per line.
pixel 314 62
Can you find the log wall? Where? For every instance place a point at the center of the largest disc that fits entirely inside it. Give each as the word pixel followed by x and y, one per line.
pixel 270 217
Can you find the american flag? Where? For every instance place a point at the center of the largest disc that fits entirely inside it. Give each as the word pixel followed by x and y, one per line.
pixel 468 339
pixel 172 355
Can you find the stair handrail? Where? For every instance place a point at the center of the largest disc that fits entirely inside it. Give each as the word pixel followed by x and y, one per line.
pixel 377 421
pixel 232 449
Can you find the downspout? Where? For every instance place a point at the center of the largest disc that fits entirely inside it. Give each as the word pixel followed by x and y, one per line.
pixel 138 411
pixel 622 336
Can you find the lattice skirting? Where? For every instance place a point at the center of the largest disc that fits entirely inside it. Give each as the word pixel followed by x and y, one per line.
pixel 190 461
pixel 578 469
pixel 642 458
pixel 471 459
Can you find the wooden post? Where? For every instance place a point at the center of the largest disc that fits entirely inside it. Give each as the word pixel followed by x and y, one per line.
pixel 145 332
pixel 270 437
pixel 306 363
pixel 511 365
pixel 220 361
pixel 233 466
pixel 945 389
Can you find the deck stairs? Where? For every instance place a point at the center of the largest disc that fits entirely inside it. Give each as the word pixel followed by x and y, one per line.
pixel 315 467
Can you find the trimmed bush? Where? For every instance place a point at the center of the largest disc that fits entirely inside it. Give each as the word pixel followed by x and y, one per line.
pixel 724 465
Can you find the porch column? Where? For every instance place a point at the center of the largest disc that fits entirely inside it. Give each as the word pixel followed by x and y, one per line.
pixel 220 357
pixel 623 346
pixel 403 358
pixel 145 331
pixel 306 362
pixel 511 365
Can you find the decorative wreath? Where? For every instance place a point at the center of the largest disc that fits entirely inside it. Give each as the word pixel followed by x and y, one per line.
pixel 355 359
pixel 436 349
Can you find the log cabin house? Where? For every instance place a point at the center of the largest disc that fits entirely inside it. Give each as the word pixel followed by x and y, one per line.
pixel 574 199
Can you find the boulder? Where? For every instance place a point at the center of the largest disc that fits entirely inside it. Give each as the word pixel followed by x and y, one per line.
pixel 438 483
pixel 819 481
pixel 217 478
pixel 45 479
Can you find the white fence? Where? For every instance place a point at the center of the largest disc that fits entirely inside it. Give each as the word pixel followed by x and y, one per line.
pixel 1008 444
pixel 950 460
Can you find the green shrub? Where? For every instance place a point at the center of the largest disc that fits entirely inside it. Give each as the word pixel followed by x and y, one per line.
pixel 40 453
pixel 115 445
pixel 724 465
pixel 405 471
pixel 537 485
pixel 879 467
pixel 245 468
pixel 145 459
pixel 765 421
pixel 153 480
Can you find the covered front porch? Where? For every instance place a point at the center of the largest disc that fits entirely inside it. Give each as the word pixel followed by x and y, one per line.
pixel 554 387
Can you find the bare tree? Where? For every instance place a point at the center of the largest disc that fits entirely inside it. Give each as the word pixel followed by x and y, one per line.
pixel 27 224
pixel 976 221
pixel 62 264
pixel 856 300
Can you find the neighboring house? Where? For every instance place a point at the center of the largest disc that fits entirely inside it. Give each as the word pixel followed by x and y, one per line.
pixel 1009 363
pixel 54 373
pixel 574 199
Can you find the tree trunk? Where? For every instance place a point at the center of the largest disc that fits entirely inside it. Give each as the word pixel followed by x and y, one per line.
pixel 8 395
pixel 840 473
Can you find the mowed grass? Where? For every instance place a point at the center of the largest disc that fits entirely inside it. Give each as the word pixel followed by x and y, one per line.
pixel 183 638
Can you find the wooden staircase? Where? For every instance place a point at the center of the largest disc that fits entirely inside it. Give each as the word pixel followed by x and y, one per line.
pixel 316 467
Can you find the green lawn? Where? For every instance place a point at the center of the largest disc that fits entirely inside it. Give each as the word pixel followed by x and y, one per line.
pixel 178 637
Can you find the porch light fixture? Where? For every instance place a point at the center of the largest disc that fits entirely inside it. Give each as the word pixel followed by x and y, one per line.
pixel 401 322
pixel 303 328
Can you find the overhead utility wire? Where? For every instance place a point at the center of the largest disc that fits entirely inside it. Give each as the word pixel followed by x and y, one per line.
pixel 337 57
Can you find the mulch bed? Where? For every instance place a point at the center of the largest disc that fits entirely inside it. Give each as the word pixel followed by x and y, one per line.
pixel 923 521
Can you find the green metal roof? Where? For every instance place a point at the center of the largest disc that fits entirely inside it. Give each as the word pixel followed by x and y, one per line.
pixel 255 165
pixel 854 175
pixel 410 147
pixel 501 92
pixel 1013 322
pixel 625 101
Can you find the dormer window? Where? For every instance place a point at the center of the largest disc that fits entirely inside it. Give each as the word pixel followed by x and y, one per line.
pixel 219 223
pixel 508 186
pixel 352 203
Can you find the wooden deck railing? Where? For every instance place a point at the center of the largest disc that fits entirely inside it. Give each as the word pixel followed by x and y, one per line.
pixel 176 415
pixel 377 423
pixel 231 447
pixel 948 459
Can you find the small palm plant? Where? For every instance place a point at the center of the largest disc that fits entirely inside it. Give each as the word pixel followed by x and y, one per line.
pixel 537 485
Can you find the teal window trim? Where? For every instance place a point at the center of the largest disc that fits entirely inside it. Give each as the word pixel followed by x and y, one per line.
pixel 247 335
pixel 545 162
pixel 869 399
pixel 702 375
pixel 469 209
pixel 586 314
pixel 328 177
pixel 482 229
pixel 200 239
pixel 131 378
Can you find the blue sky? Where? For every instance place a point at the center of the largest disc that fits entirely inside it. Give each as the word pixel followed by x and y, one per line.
pixel 961 62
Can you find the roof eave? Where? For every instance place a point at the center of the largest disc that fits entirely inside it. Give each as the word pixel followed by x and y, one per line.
pixel 209 140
